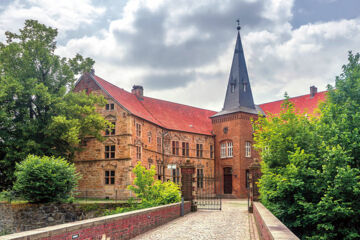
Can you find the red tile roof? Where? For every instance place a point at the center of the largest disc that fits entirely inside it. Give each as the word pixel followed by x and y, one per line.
pixel 304 103
pixel 166 114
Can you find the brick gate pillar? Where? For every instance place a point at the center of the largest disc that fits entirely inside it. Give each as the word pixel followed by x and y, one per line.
pixel 255 171
pixel 188 183
pixel 255 174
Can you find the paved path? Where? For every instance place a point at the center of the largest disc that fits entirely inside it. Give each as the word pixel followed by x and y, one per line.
pixel 233 222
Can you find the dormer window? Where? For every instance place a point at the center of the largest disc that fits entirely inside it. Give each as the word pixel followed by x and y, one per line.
pixel 232 87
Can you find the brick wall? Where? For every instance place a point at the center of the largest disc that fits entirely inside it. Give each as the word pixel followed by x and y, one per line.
pixel 118 226
pixel 91 162
pixel 269 227
pixel 239 131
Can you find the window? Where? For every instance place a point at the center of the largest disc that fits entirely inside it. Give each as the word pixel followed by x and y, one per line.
pixel 109 177
pixel 211 151
pixel 247 178
pixel 199 150
pixel 149 137
pixel 176 175
pixel 175 147
pixel 111 130
pixel 229 149
pixel 138 152
pixel 247 149
pixel 185 149
pixel 226 149
pixel 110 151
pixel 110 106
pixel 232 87
pixel 223 150
pixel 159 171
pixel 159 144
pixel 200 178
pixel 138 130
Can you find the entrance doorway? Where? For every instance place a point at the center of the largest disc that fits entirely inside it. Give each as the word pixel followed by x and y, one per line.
pixel 228 180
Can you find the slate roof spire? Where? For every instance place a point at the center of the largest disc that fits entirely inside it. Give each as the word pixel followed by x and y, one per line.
pixel 238 97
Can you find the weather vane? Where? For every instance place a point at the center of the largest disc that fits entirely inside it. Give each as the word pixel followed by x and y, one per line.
pixel 238 24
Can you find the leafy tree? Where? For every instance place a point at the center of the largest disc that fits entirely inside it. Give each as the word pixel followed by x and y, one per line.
pixel 311 175
pixel 39 114
pixel 45 179
pixel 151 192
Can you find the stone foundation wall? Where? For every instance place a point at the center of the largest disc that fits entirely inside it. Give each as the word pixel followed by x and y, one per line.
pixel 23 217
pixel 118 226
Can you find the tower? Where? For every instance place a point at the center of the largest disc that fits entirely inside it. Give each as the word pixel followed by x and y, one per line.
pixel 233 129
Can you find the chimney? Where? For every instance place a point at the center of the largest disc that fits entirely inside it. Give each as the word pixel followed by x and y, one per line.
pixel 313 91
pixel 138 91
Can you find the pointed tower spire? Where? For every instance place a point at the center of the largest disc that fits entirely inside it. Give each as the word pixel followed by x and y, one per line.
pixel 238 97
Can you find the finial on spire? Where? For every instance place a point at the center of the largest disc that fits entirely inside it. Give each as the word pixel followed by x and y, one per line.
pixel 238 24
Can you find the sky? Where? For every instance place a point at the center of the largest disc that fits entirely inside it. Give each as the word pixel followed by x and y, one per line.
pixel 181 50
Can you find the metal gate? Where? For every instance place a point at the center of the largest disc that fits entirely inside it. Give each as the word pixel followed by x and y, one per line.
pixel 205 195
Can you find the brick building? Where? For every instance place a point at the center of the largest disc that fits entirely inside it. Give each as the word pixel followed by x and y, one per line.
pixel 166 135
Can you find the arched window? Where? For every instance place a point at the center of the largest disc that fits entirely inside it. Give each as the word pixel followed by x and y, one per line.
pixel 226 149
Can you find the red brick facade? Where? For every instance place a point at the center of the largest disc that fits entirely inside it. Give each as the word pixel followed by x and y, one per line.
pixel 235 128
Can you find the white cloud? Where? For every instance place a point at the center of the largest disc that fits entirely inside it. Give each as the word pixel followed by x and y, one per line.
pixel 64 14
pixel 197 38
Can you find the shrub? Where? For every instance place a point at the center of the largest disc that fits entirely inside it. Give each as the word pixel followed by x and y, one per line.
pixel 151 192
pixel 45 179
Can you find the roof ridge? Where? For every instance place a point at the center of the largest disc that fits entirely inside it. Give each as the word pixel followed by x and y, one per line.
pixel 179 104
pixel 292 97
pixel 156 98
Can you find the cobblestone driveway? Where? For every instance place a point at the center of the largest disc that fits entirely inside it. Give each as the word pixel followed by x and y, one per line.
pixel 233 222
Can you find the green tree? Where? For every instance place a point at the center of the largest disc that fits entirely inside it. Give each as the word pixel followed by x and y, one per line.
pixel 311 175
pixel 153 192
pixel 39 114
pixel 45 179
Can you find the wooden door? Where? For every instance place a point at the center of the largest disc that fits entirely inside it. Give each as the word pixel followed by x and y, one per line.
pixel 228 180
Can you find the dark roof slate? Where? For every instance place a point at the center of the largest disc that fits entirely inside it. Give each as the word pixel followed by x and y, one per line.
pixel 238 93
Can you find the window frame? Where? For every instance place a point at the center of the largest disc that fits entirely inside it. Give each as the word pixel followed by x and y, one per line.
pixel 185 149
pixel 138 129
pixel 223 150
pixel 247 149
pixel 227 149
pixel 112 132
pixel 175 174
pixel 200 178
pixel 199 150
pixel 175 148
pixel 158 144
pixel 138 152
pixel 229 146
pixel 149 135
pixel 109 106
pixel 110 151
pixel 109 177
pixel 159 171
